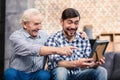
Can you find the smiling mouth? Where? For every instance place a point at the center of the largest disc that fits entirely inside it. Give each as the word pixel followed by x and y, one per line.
pixel 71 30
pixel 35 30
pixel 74 29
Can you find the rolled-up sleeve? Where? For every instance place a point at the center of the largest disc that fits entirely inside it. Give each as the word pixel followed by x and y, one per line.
pixel 23 47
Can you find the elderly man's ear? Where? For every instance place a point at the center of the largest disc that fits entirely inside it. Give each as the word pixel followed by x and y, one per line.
pixel 83 34
pixel 25 24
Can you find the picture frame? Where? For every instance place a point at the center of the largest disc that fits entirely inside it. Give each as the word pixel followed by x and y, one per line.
pixel 98 49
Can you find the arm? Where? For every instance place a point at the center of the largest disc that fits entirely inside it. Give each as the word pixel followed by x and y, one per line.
pixel 102 61
pixel 46 50
pixel 23 47
pixel 67 64
pixel 82 63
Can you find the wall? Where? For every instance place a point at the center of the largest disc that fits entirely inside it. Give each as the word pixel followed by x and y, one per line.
pixel 103 15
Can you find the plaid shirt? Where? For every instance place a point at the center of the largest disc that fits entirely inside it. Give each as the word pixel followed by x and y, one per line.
pixel 58 40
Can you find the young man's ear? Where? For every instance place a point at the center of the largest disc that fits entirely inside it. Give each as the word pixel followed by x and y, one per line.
pixel 61 20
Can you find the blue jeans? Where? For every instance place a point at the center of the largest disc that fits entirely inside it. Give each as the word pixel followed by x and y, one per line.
pixel 61 73
pixel 12 74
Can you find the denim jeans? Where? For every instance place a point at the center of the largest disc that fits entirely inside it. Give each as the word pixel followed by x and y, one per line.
pixel 61 73
pixel 12 74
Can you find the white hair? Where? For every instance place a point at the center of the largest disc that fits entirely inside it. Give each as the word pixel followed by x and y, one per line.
pixel 28 14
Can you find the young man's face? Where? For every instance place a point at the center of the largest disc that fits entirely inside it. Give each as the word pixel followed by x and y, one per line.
pixel 70 26
pixel 34 25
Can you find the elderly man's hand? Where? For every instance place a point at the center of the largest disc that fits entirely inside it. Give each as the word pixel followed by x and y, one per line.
pixel 83 34
pixel 66 50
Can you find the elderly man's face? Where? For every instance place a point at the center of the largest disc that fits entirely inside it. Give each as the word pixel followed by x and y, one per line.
pixel 34 25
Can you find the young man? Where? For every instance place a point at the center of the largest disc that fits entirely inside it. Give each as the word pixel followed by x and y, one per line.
pixel 76 66
pixel 27 60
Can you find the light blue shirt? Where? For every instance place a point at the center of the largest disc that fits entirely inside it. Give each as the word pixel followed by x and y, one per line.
pixel 25 54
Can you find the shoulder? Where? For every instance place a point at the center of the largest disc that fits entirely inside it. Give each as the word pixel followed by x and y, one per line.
pixel 53 39
pixel 81 38
pixel 43 33
pixel 15 34
pixel 56 35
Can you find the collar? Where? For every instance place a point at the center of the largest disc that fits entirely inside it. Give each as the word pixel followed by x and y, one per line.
pixel 25 33
pixel 77 36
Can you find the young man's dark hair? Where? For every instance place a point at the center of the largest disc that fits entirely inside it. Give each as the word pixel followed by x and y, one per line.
pixel 70 13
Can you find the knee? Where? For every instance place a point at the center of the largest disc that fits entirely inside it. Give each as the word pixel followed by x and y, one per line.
pixel 10 73
pixel 43 75
pixel 60 73
pixel 102 70
pixel 61 70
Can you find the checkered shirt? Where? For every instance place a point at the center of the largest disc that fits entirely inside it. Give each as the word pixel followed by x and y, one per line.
pixel 58 40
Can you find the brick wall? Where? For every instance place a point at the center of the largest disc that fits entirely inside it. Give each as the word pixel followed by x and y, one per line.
pixel 103 15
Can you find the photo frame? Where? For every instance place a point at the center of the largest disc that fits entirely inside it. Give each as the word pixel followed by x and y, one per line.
pixel 98 49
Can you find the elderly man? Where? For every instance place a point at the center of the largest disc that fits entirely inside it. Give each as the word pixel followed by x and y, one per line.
pixel 28 56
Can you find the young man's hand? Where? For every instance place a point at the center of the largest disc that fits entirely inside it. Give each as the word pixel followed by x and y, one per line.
pixel 85 62
pixel 98 63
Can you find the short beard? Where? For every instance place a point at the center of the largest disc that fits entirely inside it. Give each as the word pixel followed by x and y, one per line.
pixel 67 35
